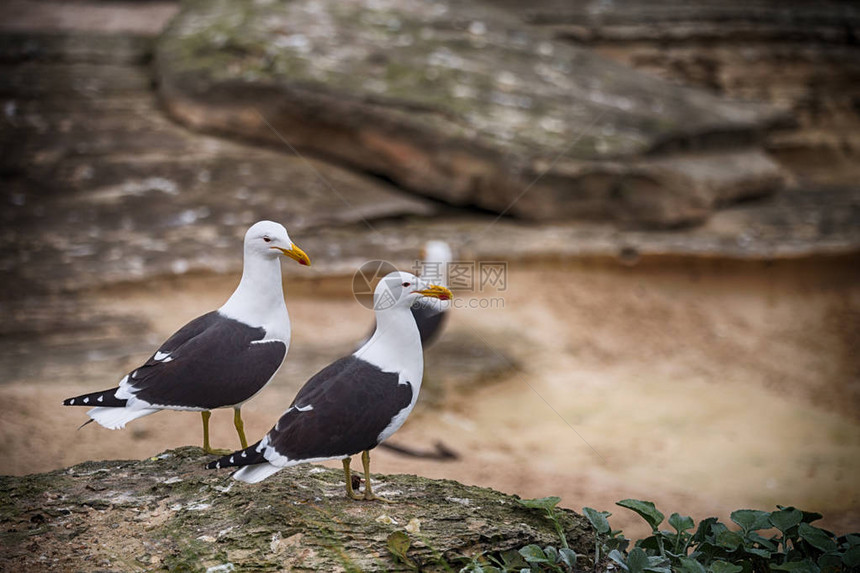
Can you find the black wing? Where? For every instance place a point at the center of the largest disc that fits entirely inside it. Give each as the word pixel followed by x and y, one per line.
pixel 340 411
pixel 430 321
pixel 211 362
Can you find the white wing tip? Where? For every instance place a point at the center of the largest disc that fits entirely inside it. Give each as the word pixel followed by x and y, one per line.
pixel 256 473
pixel 117 418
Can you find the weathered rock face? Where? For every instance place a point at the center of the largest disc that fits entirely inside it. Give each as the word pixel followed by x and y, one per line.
pixel 459 101
pixel 169 512
pixel 100 187
pixel 802 56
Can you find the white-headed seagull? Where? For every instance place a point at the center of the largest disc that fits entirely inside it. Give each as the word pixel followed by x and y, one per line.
pixel 431 315
pixel 218 360
pixel 355 403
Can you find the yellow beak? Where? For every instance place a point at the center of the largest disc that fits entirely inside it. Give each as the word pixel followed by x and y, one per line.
pixel 436 291
pixel 296 254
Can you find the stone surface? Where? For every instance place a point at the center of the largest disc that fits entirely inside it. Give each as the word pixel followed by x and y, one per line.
pixel 168 512
pixel 86 16
pixel 99 187
pixel 460 102
pixel 800 56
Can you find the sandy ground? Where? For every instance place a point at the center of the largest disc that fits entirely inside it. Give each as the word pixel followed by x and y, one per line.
pixel 704 387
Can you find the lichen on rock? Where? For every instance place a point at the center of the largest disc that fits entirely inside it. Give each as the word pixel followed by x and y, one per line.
pixel 459 101
pixel 168 512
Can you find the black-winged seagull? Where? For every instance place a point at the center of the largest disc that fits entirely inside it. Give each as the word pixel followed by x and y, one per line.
pixel 431 315
pixel 218 360
pixel 356 402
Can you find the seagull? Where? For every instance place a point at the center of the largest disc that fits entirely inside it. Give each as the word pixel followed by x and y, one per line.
pixel 218 360
pixel 431 315
pixel 355 403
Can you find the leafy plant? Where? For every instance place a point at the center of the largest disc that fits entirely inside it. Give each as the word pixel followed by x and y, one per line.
pixel 531 558
pixel 548 505
pixel 758 542
pixel 607 539
pixel 548 558
pixel 713 547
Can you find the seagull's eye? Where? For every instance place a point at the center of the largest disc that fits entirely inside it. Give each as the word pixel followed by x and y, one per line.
pixel 404 285
pixel 267 239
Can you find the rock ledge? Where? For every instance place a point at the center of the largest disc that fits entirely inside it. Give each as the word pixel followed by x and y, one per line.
pixel 463 103
pixel 169 512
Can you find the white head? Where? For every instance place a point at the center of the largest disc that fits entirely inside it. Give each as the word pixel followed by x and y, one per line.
pixel 436 257
pixel 437 252
pixel 401 290
pixel 269 239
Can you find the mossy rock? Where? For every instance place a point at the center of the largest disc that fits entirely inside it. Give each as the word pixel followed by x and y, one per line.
pixel 168 512
pixel 462 102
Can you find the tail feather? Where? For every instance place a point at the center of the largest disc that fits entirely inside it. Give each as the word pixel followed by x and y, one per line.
pixel 246 457
pixel 256 473
pixel 116 418
pixel 105 398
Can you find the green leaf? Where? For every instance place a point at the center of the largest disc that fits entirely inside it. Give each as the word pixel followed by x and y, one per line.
pixel 786 518
pixel 510 559
pixel 658 564
pixel 724 567
pixel 690 565
pixel 766 543
pixel 681 522
pixel 816 537
pixel 709 550
pixel 649 542
pixel 646 509
pixel 551 553
pixel 540 503
pixel 398 545
pixel 619 543
pixel 475 567
pixel 533 554
pixel 597 519
pixel 637 560
pixel 751 519
pixel 568 556
pixel 805 566
pixel 852 557
pixel 830 563
pixel 730 540
pixel 763 553
pixel 810 516
pixel 618 557
pixel 705 531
